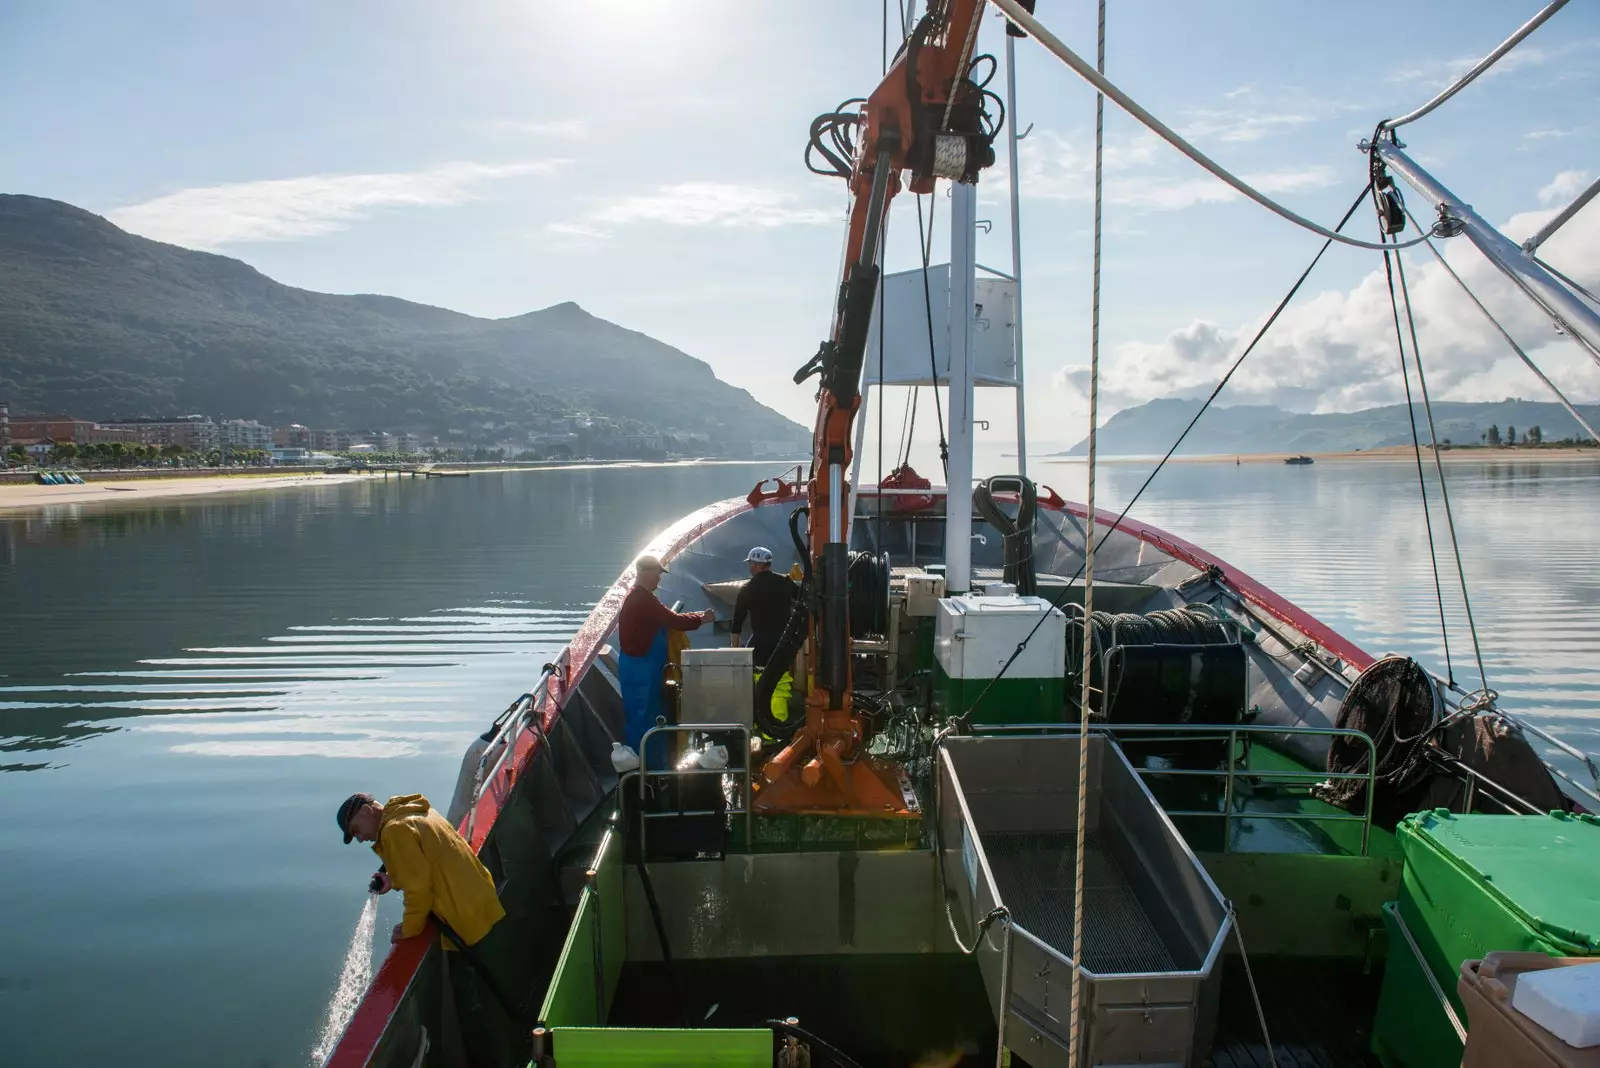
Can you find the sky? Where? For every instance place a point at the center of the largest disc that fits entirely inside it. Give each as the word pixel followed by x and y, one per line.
pixel 643 159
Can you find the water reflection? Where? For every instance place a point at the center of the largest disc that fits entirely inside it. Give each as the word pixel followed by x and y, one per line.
pixel 189 687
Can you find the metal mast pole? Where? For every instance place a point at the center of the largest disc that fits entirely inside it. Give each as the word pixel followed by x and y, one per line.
pixel 1016 246
pixel 958 493
pixel 1574 317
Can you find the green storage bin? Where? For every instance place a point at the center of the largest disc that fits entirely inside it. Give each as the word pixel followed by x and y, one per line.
pixel 1474 884
pixel 1410 1029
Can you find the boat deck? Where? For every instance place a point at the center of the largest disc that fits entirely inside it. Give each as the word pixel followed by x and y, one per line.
pixel 1035 874
pixel 1319 1014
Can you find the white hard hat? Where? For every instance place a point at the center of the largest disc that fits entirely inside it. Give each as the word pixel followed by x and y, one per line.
pixel 759 555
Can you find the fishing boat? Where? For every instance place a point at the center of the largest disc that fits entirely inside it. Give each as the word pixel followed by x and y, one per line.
pixel 1299 461
pixel 1057 787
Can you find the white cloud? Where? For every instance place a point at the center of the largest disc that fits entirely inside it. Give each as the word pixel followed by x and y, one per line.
pixel 284 209
pixel 1550 134
pixel 1336 351
pixel 1567 185
pixel 1438 73
pixel 1216 124
pixel 1055 168
pixel 563 128
pixel 721 205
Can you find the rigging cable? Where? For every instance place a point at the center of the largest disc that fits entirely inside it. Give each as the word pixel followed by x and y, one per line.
pixel 1478 68
pixel 1282 304
pixel 1019 15
pixel 1592 298
pixel 1422 485
pixel 1081 845
pixel 926 241
pixel 1438 465
pixel 1570 408
pixel 883 242
pixel 1565 403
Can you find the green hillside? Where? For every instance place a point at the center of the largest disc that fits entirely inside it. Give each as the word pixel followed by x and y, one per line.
pixel 99 323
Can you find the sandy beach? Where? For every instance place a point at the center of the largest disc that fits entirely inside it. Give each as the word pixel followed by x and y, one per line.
pixel 22 498
pixel 1389 453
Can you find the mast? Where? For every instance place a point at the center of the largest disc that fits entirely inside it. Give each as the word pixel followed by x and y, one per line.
pixel 1572 316
pixel 1016 242
pixel 958 490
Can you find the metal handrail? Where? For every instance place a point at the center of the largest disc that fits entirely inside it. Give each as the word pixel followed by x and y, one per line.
pixel 1182 731
pixel 643 773
pixel 512 724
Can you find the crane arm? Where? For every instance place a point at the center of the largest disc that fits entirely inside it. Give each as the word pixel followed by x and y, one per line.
pixel 926 117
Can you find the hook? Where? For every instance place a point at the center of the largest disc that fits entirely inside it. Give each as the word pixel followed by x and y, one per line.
pixel 1026 132
pixel 986 225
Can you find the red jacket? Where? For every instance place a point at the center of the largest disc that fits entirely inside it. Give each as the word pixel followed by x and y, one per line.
pixel 642 615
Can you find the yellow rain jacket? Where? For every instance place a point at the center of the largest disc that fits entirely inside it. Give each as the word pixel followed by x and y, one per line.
pixel 436 869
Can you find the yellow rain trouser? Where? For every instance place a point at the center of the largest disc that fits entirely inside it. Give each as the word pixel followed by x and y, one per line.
pixel 780 695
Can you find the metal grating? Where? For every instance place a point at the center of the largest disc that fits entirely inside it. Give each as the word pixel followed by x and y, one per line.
pixel 1034 874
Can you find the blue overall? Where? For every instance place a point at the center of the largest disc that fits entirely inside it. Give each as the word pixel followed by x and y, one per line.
pixel 640 679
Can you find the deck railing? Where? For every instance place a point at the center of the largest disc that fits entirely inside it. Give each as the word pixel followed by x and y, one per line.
pixel 643 774
pixel 1154 732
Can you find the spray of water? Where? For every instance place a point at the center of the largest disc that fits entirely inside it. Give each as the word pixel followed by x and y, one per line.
pixel 353 980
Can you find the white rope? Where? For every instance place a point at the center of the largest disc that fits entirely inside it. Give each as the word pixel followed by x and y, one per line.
pixel 1075 1030
pixel 1482 65
pixel 1019 15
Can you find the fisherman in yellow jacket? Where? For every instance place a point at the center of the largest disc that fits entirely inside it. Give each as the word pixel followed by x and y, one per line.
pixel 439 875
pixel 427 861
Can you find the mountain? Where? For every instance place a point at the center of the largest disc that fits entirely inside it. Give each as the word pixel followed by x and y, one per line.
pixel 100 323
pixel 1151 428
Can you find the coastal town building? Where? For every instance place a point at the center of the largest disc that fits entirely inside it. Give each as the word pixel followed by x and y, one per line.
pixel 5 425
pixel 243 435
pixel 196 433
pixel 61 429
pixel 293 436
pixel 331 440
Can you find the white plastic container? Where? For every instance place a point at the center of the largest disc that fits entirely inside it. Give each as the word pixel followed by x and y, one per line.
pixel 1563 1001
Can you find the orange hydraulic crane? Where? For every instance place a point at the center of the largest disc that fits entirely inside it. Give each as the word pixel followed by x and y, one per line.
pixel 927 117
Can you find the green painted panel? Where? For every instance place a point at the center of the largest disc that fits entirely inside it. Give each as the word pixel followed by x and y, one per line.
pixel 570 999
pixel 1305 904
pixel 624 1047
pixel 613 918
pixel 1411 1029
pixel 1010 701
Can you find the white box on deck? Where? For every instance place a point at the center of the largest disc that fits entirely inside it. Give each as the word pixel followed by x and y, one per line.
pixel 923 590
pixel 1563 1001
pixel 975 636
pixel 718 686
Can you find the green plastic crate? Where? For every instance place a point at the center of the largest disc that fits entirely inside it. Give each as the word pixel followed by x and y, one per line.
pixel 1476 883
pixel 1410 1029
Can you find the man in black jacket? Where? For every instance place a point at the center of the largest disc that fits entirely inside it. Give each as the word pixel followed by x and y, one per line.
pixel 766 600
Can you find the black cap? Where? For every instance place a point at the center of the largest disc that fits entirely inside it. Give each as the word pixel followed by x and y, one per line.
pixel 351 806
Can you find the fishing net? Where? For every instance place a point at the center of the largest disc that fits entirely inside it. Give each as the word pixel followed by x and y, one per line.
pixel 1396 703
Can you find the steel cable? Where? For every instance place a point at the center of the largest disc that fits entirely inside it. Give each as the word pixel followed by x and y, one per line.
pixel 1438 465
pixel 1422 485
pixel 1019 15
pixel 1261 333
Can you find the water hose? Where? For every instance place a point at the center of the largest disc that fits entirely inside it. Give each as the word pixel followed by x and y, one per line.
pixel 1017 532
pixel 827 1049
pixel 661 937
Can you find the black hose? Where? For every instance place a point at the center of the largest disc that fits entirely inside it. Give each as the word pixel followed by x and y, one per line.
pixel 1017 532
pixel 818 1045
pixel 512 1012
pixel 661 936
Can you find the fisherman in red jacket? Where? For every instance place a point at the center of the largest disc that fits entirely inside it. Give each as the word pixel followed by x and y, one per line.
pixel 642 629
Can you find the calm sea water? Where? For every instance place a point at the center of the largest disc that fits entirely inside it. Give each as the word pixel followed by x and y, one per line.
pixel 188 688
